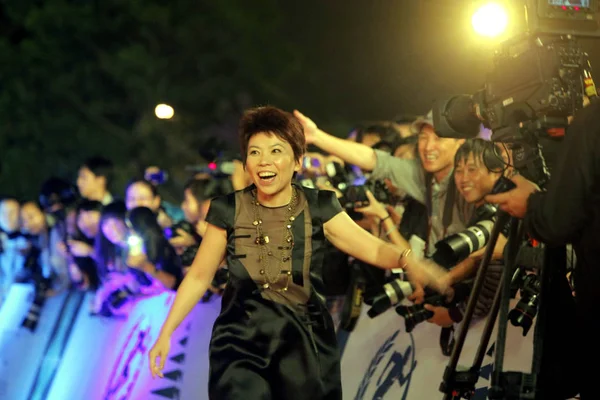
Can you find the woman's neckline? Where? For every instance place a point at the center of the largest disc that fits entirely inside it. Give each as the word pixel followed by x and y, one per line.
pixel 255 196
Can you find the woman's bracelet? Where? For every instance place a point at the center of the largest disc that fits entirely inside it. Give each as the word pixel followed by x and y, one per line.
pixel 383 219
pixel 392 229
pixel 403 255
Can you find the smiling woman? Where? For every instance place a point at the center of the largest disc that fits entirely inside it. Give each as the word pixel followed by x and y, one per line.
pixel 274 337
pixel 272 146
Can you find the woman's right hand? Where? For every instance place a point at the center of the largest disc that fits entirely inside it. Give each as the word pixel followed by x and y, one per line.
pixel 425 272
pixel 159 351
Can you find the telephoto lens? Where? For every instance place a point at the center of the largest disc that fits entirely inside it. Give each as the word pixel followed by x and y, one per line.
pixel 526 309
pixel 455 248
pixel 387 296
pixel 33 315
pixel 415 314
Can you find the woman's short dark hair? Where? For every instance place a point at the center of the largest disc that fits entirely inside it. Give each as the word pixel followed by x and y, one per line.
pixel 483 151
pixel 272 120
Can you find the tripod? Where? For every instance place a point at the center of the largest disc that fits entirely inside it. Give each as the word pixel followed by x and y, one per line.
pixel 505 385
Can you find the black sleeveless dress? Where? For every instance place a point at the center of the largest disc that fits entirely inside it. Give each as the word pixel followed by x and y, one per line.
pixel 267 344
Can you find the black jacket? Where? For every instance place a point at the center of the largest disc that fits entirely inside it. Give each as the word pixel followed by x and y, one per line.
pixel 569 212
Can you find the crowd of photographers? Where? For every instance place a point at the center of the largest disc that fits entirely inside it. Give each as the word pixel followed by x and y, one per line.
pixel 407 184
pixel 398 179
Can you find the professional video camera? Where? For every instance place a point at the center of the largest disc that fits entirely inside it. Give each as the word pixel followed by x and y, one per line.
pixel 538 82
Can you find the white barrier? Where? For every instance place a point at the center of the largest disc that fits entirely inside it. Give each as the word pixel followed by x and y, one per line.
pixel 107 358
pixel 382 361
pixel 22 351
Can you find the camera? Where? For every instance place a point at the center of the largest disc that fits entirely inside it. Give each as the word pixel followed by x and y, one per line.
pixel 56 194
pixel 356 195
pixel 532 79
pixel 157 177
pixel 336 175
pixel 526 309
pixel 219 169
pixel 415 314
pixel 41 285
pixel 119 297
pixel 455 248
pixel 189 253
pixel 382 298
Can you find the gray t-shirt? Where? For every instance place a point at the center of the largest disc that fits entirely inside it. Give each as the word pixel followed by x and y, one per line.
pixel 409 176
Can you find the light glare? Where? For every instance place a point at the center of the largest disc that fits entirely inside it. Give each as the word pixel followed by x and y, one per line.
pixel 164 111
pixel 490 20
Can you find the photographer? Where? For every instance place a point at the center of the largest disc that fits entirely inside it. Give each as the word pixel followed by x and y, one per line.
pixel 47 238
pixel 12 245
pixel 427 179
pixel 568 213
pixel 477 166
pixel 94 179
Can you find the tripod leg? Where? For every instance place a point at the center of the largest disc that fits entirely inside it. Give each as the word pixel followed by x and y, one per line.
pixel 511 257
pixel 448 384
pixel 489 325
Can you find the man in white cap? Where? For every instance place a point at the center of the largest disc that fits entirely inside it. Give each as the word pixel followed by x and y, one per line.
pixel 427 179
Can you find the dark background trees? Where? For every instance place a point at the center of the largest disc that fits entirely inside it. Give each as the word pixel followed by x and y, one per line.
pixel 82 77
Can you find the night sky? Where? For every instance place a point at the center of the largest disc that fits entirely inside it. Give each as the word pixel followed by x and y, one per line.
pixel 77 83
pixel 378 59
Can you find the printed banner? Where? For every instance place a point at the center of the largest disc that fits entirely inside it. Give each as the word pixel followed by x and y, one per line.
pixel 107 358
pixel 382 361
pixel 22 352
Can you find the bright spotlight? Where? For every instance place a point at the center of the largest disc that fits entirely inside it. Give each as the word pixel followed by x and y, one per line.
pixel 490 20
pixel 164 111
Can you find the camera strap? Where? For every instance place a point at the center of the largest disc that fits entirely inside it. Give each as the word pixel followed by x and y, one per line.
pixel 447 340
pixel 354 298
pixel 448 205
